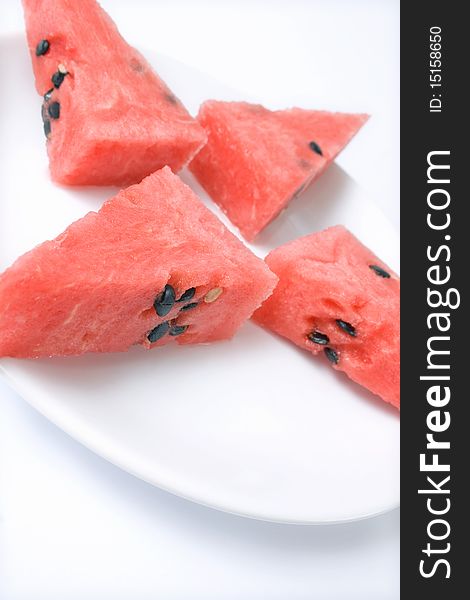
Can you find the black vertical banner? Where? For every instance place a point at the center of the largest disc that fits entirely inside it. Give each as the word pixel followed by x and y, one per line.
pixel 435 236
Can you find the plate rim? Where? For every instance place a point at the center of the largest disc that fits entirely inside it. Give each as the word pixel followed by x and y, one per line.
pixel 102 452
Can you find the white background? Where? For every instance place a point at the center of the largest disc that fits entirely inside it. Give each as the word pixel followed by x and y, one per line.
pixel 71 525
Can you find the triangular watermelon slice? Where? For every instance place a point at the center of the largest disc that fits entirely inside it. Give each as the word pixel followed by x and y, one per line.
pixel 257 160
pixel 108 117
pixel 337 299
pixel 152 266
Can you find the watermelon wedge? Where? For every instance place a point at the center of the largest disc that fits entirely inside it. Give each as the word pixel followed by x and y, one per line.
pixel 336 298
pixel 257 160
pixel 152 266
pixel 108 117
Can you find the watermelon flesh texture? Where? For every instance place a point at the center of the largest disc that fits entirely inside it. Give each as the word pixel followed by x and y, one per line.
pixel 325 278
pixel 257 160
pixel 118 120
pixel 94 287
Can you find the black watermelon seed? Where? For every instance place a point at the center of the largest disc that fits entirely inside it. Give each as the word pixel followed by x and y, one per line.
pixel 331 355
pixel 190 306
pixel 57 79
pixel 136 65
pixel 347 327
pixel 188 294
pixel 42 47
pixel 47 127
pixel 171 98
pixel 43 112
pixel 54 110
pixel 178 330
pixel 48 94
pixel 379 271
pixel 158 332
pixel 318 338
pixel 164 302
pixel 316 148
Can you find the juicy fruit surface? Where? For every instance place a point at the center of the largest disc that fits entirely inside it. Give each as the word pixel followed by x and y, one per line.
pixel 104 283
pixel 256 160
pixel 118 120
pixel 329 300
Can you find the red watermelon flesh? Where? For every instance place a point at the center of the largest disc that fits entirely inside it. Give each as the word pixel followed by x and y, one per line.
pixel 257 160
pixel 110 120
pixel 152 266
pixel 335 298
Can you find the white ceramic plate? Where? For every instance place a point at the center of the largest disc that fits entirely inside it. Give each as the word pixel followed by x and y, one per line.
pixel 253 426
